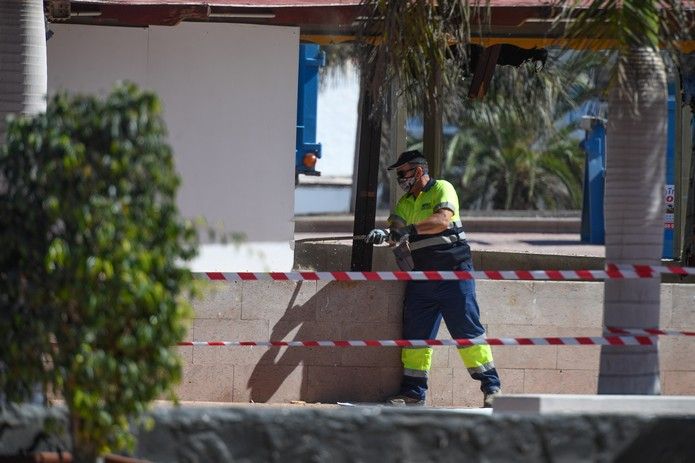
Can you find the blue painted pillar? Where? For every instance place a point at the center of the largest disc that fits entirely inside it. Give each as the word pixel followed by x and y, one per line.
pixel 307 151
pixel 670 188
pixel 594 144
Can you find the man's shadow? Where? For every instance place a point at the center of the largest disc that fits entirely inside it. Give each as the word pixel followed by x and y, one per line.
pixel 263 383
pixel 334 368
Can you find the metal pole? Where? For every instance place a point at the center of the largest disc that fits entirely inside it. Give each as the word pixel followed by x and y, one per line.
pixel 367 175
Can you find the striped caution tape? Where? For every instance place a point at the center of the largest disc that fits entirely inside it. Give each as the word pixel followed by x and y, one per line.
pixel 650 332
pixel 544 341
pixel 611 272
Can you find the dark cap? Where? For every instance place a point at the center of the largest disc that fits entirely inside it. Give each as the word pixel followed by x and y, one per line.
pixel 412 156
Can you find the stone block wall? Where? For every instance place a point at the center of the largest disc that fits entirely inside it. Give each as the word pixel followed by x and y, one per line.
pixel 277 310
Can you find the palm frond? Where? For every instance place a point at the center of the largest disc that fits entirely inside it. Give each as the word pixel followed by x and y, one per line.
pixel 624 25
pixel 413 41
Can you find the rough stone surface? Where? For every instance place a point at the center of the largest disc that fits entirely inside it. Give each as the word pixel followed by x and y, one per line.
pixel 365 434
pixel 25 429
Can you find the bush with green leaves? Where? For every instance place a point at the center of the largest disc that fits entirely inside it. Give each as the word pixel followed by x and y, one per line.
pixel 93 292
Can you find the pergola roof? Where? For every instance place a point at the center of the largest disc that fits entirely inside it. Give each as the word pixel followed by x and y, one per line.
pixel 313 17
pixel 525 23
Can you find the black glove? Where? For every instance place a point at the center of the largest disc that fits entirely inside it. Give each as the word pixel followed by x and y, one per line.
pixel 397 234
pixel 376 236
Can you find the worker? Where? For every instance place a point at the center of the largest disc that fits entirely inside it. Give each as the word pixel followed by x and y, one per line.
pixel 425 232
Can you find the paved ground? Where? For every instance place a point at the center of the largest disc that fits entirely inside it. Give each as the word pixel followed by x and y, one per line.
pixel 534 232
pixel 537 243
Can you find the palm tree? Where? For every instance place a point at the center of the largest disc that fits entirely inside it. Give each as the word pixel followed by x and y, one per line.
pixel 421 44
pixel 514 150
pixel 636 143
pixel 412 38
pixel 506 171
pixel 23 76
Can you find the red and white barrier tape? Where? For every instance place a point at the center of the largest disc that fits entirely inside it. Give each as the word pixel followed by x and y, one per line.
pixel 649 332
pixel 546 341
pixel 611 272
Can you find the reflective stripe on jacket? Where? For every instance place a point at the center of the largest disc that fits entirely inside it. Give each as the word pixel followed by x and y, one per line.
pixel 441 251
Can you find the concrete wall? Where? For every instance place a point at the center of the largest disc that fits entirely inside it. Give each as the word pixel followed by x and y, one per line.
pixel 372 310
pixel 250 434
pixel 229 93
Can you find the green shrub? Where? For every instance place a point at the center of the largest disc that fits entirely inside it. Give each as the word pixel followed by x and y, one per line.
pixel 91 252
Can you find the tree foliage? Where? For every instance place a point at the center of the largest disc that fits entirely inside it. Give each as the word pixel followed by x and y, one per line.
pixel 515 148
pixel 412 42
pixel 90 262
pixel 624 25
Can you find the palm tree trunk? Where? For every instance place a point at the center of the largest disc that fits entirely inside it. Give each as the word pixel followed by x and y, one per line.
pixel 636 143
pixel 23 75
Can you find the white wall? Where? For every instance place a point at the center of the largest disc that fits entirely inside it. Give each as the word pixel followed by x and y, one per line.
pixel 336 125
pixel 229 93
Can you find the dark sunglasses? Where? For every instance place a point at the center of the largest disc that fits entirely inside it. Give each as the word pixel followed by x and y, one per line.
pixel 401 173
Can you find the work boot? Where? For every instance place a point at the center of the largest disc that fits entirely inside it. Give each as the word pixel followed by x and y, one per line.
pixel 490 397
pixel 401 400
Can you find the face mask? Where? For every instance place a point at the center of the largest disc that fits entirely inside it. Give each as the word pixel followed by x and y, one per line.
pixel 406 183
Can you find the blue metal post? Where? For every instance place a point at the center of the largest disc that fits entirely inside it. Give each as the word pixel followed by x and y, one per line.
pixel 670 189
pixel 594 144
pixel 311 58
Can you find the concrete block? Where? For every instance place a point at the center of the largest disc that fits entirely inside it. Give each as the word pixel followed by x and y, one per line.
pixel 349 384
pixel 231 330
pixel 269 383
pixel 444 357
pixel 228 330
pixel 304 331
pixel 512 380
pixel 560 381
pixel 683 315
pixel 568 303
pixel 278 300
pixel 578 357
pixel 395 310
pixel 390 294
pixel 595 404
pixel 666 307
pixel 678 383
pixel 676 353
pixel 360 330
pixel 441 356
pixel 467 391
pixel 218 355
pixel 370 356
pixel 538 357
pixel 509 302
pixel 441 387
pixel 346 301
pixel 220 300
pixel 207 383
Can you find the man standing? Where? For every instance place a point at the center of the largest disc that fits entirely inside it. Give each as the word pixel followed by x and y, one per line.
pixel 426 220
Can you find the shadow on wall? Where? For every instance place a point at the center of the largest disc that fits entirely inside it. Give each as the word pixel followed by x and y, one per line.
pixel 336 310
